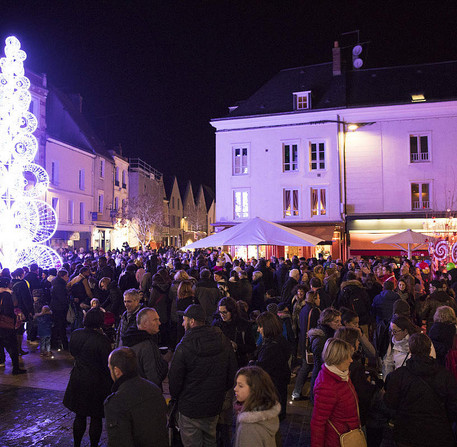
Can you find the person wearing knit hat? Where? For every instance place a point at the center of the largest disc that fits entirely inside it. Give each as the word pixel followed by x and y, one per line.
pixel 401 307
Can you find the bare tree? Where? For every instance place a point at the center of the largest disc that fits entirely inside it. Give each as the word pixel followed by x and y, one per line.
pixel 145 217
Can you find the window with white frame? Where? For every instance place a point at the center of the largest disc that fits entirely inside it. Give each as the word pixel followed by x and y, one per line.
pixel 240 204
pixel 302 100
pixel 316 156
pixel 289 157
pixel 419 148
pixel 82 180
pixel 71 211
pixel 102 168
pixel 100 202
pixel 318 201
pixel 291 202
pixel 82 212
pixel 240 160
pixel 420 196
pixel 55 172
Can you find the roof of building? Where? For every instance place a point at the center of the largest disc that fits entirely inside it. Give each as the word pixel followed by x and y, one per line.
pixel 66 123
pixel 353 88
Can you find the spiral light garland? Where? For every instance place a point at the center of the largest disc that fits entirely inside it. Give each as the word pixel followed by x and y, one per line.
pixel 25 221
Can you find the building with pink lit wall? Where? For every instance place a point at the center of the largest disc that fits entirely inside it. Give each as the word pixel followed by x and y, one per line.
pixel 348 155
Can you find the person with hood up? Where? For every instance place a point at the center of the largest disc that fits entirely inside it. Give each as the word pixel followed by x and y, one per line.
pixel 424 397
pixel 257 421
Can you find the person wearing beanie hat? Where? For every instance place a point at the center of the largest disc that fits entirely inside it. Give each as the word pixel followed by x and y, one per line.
pixel 401 307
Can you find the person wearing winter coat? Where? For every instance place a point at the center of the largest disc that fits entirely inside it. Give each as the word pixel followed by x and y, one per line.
pixel 207 294
pixel 442 332
pixel 236 329
pixel 273 355
pixel 159 300
pixel 436 299
pixel 8 336
pixel 329 321
pixel 383 303
pixel 90 380
pixel 142 339
pixel 114 301
pixel 424 397
pixel 258 292
pixel 309 313
pixel 128 319
pixel 201 372
pixel 244 288
pixel 136 412
pixel 398 353
pixel 287 291
pixel 335 399
pixel 355 297
pixel 257 422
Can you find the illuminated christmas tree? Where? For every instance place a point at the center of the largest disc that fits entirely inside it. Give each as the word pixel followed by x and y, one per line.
pixel 26 222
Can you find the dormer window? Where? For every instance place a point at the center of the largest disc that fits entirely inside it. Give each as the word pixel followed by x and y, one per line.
pixel 302 100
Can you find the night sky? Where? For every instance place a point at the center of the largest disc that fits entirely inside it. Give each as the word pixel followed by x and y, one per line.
pixel 153 73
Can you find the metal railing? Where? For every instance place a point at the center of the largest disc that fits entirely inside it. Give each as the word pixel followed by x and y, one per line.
pixel 138 165
pixel 424 205
pixel 418 157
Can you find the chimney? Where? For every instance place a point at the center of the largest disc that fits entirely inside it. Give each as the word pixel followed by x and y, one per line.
pixel 336 53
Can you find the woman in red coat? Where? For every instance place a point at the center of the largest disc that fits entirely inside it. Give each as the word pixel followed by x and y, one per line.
pixel 335 399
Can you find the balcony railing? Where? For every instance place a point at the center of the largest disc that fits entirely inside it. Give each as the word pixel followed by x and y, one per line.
pixel 424 205
pixel 418 157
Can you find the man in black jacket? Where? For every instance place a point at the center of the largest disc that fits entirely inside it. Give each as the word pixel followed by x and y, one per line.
pixel 136 412
pixel 201 372
pixel 424 397
pixel 207 294
pixel 142 339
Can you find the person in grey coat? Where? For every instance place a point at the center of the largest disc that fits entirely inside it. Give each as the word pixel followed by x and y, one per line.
pixel 142 339
pixel 136 412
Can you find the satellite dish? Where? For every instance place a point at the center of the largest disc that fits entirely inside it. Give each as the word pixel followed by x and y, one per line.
pixel 357 63
pixel 357 50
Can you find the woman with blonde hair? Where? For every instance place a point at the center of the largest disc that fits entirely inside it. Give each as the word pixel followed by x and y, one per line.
pixel 442 332
pixel 335 399
pixel 257 423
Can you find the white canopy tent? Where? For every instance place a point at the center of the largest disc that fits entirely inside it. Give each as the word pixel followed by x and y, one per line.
pixel 257 231
pixel 410 238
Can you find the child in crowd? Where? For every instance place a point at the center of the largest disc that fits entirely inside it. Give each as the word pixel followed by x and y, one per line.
pixel 44 322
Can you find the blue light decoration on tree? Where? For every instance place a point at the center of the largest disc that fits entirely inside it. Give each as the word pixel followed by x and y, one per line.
pixel 26 222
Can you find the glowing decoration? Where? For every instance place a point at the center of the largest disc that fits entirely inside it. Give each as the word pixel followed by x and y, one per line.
pixel 441 250
pixel 454 253
pixel 25 221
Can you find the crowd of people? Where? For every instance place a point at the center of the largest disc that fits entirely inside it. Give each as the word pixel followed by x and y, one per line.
pixel 376 339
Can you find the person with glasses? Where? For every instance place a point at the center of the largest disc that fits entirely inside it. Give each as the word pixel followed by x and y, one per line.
pixel 236 329
pixel 398 350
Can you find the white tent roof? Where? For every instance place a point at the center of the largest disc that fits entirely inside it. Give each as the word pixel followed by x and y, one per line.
pixel 257 231
pixel 405 237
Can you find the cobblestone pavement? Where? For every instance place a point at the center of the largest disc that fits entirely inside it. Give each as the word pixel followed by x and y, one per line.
pixel 32 414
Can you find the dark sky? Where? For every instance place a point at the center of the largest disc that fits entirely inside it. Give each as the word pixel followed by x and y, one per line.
pixel 153 73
